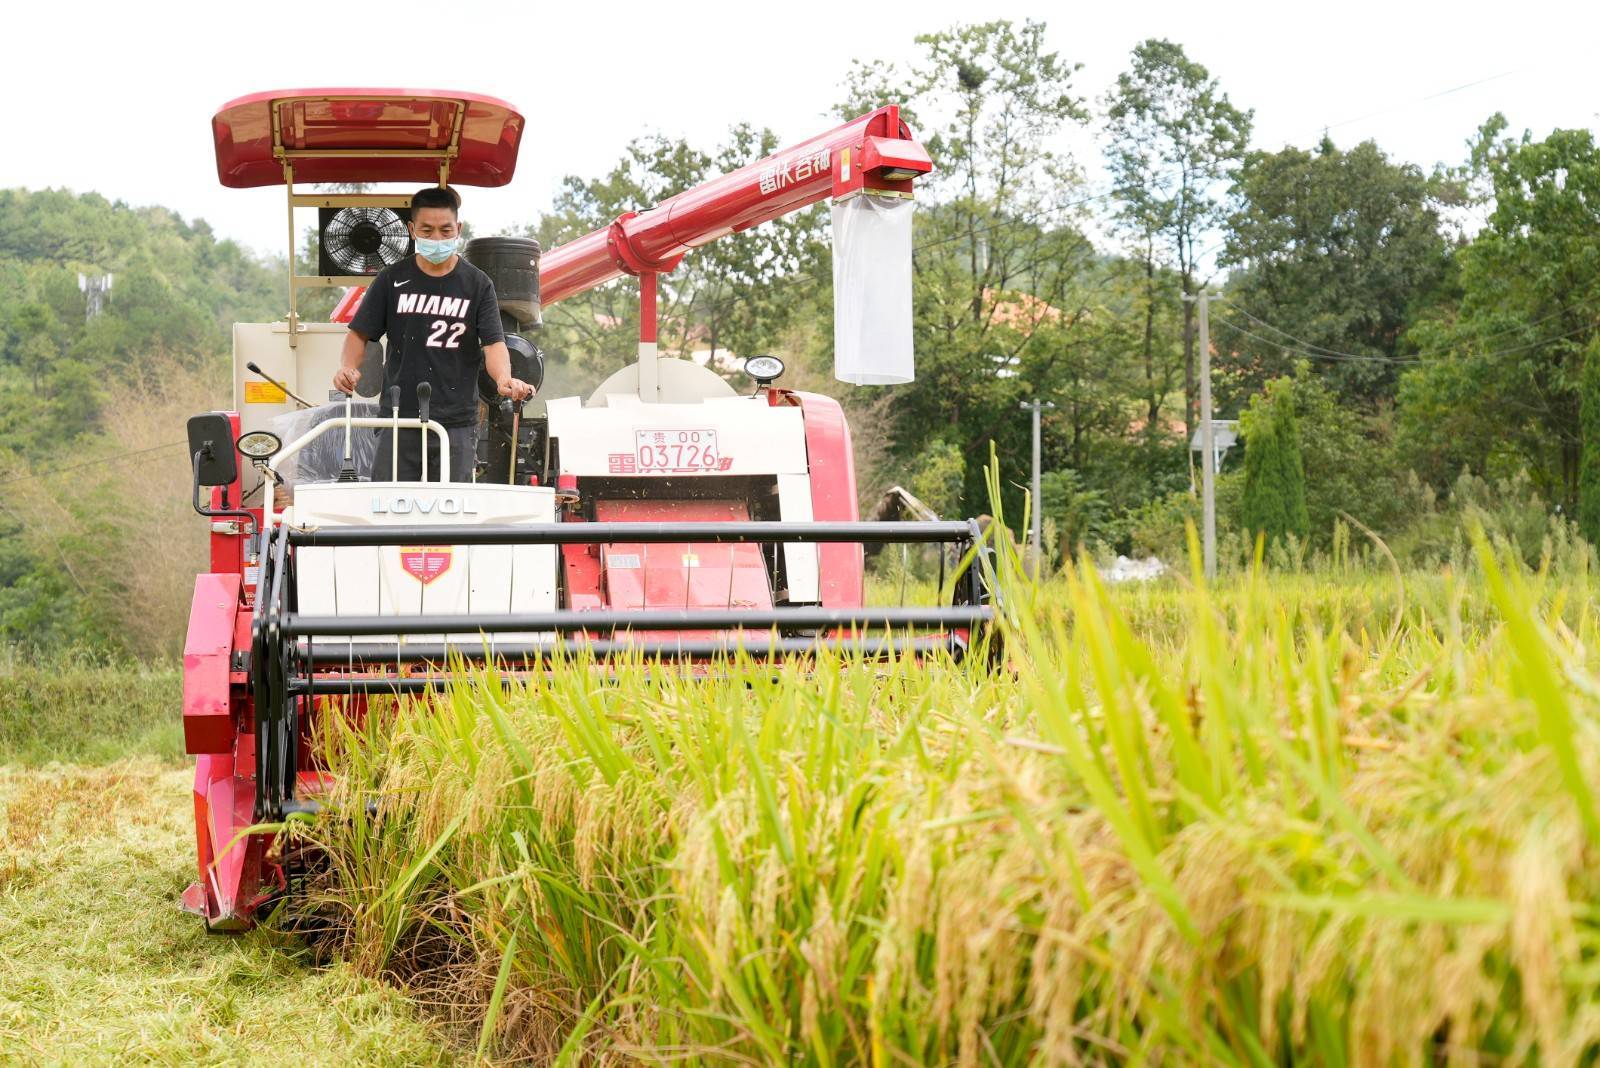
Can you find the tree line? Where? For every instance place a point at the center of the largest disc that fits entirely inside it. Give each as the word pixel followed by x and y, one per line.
pixel 1404 346
pixel 1423 326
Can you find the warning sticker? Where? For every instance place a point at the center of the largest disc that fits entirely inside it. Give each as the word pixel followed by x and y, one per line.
pixel 263 393
pixel 622 560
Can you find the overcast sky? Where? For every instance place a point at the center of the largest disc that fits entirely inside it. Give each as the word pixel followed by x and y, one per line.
pixel 118 99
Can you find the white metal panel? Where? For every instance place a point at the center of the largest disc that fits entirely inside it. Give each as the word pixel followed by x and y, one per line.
pixel 314 571
pixel 487 590
pixel 533 584
pixel 677 382
pixel 306 368
pixel 755 438
pixel 800 561
pixel 449 593
pixel 369 580
pixel 399 594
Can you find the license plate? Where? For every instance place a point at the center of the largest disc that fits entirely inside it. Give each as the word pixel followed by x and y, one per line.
pixel 673 451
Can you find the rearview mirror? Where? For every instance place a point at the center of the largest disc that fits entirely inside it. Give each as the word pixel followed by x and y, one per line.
pixel 211 435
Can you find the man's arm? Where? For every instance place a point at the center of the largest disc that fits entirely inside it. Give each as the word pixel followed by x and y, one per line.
pixel 496 357
pixel 368 322
pixel 497 361
pixel 350 357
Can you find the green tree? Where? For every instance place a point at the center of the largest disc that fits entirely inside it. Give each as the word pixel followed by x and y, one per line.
pixel 1499 388
pixel 1348 456
pixel 1589 473
pixel 1005 282
pixel 1274 502
pixel 1079 512
pixel 35 344
pixel 1173 138
pixel 938 479
pixel 1339 251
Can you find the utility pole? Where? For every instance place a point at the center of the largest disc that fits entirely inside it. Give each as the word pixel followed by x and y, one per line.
pixel 1208 443
pixel 1036 534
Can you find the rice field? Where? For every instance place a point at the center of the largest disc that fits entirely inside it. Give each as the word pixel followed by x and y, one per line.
pixel 1302 819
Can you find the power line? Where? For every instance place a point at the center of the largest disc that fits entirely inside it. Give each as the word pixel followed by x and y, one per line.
pixel 1425 354
pixel 1421 100
pixel 50 472
pixel 1303 348
pixel 1299 350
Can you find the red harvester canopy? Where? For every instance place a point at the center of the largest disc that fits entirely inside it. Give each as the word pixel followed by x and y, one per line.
pixel 366 135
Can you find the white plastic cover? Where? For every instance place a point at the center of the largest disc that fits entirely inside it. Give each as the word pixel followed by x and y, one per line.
pixel 321 460
pixel 872 291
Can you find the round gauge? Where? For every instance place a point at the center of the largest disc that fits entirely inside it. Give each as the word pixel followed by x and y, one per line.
pixel 259 444
pixel 763 368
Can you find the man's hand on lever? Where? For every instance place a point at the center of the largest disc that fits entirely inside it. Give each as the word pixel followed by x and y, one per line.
pixel 516 389
pixel 345 379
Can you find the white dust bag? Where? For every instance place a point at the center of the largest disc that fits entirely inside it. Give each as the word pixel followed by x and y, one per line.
pixel 872 290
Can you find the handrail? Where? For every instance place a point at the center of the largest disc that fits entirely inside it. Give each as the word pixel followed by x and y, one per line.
pixel 269 519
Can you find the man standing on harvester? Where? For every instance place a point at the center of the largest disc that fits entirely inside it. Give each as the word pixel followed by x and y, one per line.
pixel 442 319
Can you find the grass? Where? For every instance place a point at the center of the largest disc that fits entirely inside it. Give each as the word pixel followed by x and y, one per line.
pixel 87 709
pixel 1283 821
pixel 97 965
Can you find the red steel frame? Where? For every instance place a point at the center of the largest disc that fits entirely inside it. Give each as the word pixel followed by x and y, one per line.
pixel 872 152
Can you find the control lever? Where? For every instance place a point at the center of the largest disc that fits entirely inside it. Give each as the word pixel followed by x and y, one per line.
pixel 347 473
pixel 394 434
pixel 424 396
pixel 516 439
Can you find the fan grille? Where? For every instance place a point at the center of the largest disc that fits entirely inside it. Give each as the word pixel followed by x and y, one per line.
pixel 362 241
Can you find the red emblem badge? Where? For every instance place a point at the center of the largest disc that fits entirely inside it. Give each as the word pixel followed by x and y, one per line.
pixel 425 562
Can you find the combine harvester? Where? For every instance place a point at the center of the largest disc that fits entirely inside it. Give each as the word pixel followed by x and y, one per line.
pixel 666 515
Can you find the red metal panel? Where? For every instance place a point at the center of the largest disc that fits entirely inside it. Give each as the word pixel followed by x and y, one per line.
pixel 233 875
pixel 682 574
pixel 580 569
pixel 391 120
pixel 786 181
pixel 345 310
pixel 207 651
pixel 830 464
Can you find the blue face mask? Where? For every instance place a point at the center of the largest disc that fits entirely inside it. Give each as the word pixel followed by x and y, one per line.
pixel 437 251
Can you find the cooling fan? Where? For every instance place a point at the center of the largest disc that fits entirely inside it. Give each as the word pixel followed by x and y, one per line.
pixel 361 240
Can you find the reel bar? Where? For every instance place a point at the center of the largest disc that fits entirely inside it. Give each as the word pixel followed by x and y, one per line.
pixel 939 532
pixel 611 620
pixel 388 654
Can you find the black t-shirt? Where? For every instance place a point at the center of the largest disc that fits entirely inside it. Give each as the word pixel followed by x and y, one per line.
pixel 437 327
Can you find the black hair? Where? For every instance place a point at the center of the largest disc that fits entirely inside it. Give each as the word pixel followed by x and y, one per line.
pixel 437 196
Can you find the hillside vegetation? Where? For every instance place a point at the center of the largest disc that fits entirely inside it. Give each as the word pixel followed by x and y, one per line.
pixel 98 546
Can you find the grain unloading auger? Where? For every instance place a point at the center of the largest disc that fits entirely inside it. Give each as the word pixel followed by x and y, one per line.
pixel 666 515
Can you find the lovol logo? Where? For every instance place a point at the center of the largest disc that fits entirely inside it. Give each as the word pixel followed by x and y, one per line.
pixel 425 562
pixel 401 504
